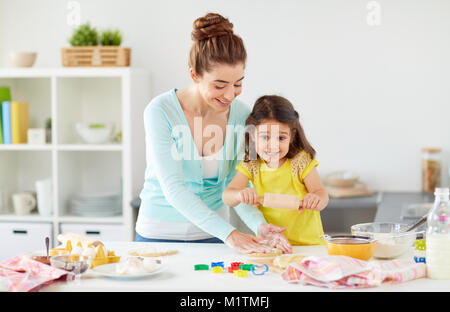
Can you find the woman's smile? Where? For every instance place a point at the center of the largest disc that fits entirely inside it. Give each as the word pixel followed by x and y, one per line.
pixel 223 103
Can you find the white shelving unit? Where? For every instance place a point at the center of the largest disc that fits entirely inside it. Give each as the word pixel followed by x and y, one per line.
pixel 68 96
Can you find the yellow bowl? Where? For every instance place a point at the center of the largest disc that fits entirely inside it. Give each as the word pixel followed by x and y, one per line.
pixel 359 247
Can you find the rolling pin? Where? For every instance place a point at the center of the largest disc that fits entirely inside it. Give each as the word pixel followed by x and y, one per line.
pixel 282 201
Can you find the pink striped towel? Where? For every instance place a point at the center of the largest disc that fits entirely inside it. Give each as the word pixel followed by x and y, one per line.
pixel 21 273
pixel 337 272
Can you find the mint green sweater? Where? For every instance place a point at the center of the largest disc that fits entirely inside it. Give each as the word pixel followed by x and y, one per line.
pixel 174 188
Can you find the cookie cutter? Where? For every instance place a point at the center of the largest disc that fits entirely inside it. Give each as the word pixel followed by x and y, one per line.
pixel 240 273
pixel 201 267
pixel 234 266
pixel 217 264
pixel 217 269
pixel 260 269
pixel 247 267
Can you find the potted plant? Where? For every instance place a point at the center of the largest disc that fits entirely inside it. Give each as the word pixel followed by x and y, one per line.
pixel 91 48
pixel 111 37
pixel 83 36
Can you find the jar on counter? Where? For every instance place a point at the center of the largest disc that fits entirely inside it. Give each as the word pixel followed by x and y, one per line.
pixel 431 169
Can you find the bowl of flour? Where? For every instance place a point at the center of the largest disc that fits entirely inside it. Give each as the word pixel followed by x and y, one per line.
pixel 391 239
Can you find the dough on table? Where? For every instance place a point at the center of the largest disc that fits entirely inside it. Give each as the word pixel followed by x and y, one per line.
pixel 275 252
pixel 277 264
pixel 152 252
pixel 283 261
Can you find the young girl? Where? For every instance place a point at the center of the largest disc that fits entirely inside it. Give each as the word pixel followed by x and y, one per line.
pixel 279 159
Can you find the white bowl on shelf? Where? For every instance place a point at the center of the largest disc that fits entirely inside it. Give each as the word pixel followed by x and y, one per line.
pixel 95 133
pixel 341 179
pixel 23 59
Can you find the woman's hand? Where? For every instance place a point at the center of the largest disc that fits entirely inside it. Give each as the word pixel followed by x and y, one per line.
pixel 311 201
pixel 245 243
pixel 248 196
pixel 273 236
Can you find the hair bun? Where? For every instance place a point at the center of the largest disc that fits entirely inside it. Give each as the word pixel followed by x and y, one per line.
pixel 211 25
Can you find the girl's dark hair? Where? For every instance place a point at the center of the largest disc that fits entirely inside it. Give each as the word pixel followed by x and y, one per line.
pixel 274 107
pixel 214 43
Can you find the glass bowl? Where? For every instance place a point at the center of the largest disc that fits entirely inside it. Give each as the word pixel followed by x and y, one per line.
pixel 75 264
pixel 359 247
pixel 387 245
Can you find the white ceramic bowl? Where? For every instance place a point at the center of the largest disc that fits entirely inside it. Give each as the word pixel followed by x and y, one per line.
pixel 387 245
pixel 95 133
pixel 23 59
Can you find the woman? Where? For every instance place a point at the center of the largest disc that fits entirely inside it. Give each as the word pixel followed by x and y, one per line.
pixel 194 141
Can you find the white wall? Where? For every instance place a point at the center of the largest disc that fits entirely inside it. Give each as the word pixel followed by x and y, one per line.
pixel 369 96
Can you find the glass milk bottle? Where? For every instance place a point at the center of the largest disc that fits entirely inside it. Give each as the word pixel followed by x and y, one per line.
pixel 438 236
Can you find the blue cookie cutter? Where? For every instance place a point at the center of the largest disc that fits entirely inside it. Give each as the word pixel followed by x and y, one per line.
pixel 264 267
pixel 219 264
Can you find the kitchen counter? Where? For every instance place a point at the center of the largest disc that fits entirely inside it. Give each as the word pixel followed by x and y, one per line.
pixel 179 275
pixel 341 213
pixel 393 204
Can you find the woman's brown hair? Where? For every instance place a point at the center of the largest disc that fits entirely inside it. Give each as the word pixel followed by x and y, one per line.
pixel 214 43
pixel 274 107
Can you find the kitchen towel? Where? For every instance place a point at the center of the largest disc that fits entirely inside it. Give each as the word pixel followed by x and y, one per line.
pixel 22 273
pixel 337 272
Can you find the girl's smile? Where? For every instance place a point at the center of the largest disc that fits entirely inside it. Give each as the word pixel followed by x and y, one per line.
pixel 272 142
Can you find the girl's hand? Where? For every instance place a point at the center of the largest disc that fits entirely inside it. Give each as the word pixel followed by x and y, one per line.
pixel 273 236
pixel 310 201
pixel 245 243
pixel 248 196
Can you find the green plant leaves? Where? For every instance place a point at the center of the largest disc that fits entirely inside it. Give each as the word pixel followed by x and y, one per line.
pixel 85 35
pixel 111 38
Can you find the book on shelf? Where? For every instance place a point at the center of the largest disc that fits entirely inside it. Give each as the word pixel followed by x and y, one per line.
pixel 6 122
pixel 5 95
pixel 1 123
pixel 15 122
pixel 19 122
